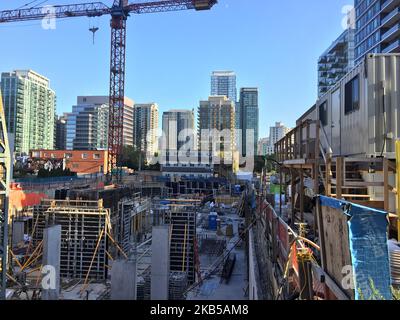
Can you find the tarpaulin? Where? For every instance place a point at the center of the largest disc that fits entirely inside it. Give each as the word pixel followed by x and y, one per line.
pixel 368 247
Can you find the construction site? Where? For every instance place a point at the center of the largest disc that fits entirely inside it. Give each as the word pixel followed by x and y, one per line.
pixel 99 239
pixel 318 221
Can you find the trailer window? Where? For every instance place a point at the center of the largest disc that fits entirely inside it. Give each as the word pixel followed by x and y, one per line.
pixel 323 114
pixel 352 95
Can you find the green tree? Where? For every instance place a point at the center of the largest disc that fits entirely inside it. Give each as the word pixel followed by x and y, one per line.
pixel 131 157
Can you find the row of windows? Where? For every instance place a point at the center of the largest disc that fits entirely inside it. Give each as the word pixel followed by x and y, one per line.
pixel 369 28
pixel 67 155
pixel 362 5
pixel 372 12
pixel 351 100
pixel 368 44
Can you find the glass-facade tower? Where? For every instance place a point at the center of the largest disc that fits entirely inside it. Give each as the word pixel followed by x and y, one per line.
pixel 377 27
pixel 249 114
pixel 223 83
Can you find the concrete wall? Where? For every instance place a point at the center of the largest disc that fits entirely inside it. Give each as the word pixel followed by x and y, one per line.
pixel 51 263
pixel 123 280
pixel 160 263
pixel 253 269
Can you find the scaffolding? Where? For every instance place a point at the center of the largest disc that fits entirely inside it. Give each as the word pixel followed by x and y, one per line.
pixel 84 228
pixel 5 174
pixel 183 223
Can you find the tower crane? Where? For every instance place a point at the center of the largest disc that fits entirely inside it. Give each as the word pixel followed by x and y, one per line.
pixel 119 12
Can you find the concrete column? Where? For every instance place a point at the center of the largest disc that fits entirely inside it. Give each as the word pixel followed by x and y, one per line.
pixel 17 232
pixel 123 280
pixel 160 263
pixel 51 263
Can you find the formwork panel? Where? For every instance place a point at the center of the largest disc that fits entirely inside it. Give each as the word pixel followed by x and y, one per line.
pixel 81 224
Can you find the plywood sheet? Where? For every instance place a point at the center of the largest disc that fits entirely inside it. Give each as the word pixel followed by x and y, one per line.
pixel 336 244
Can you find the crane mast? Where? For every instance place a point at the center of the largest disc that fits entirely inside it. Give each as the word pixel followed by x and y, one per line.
pixel 119 12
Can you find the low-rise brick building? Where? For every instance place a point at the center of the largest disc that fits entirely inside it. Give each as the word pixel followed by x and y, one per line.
pixel 79 161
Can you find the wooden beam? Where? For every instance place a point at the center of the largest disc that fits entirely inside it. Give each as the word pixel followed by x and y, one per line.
pixel 301 195
pixel 328 168
pixel 336 290
pixel 386 184
pixel 339 177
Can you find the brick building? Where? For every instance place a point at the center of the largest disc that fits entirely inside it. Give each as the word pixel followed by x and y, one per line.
pixel 81 162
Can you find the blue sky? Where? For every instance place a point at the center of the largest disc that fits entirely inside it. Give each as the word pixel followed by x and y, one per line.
pixel 273 45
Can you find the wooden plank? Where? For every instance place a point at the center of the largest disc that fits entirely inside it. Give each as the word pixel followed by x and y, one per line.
pixel 339 177
pixel 369 160
pixel 362 196
pixel 336 290
pixel 386 184
pixel 328 177
pixel 336 238
pixel 301 195
pixel 350 184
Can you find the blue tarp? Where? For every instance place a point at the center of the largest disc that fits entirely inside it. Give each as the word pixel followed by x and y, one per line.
pixel 368 234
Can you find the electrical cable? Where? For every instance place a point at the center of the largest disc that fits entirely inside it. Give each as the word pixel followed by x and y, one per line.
pixel 27 4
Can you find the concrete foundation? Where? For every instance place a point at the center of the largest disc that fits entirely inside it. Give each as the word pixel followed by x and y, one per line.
pixel 51 263
pixel 123 280
pixel 160 263
pixel 17 232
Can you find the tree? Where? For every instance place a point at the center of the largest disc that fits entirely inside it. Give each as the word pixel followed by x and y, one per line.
pixel 131 157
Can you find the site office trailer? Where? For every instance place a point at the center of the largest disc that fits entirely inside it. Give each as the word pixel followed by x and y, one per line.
pixel 360 115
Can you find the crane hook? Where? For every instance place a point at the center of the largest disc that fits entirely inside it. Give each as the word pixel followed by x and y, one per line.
pixel 94 30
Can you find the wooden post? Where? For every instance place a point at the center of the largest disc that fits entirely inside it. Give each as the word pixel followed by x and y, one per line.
pixel 398 186
pixel 292 199
pixel 328 168
pixel 339 177
pixel 308 150
pixel 301 142
pixel 301 194
pixel 386 184
pixel 280 191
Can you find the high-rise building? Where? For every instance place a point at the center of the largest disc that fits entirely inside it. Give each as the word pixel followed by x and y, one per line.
pixel 223 83
pixel 61 132
pixel 377 27
pixel 29 106
pixel 145 124
pixel 178 128
pixel 263 145
pixel 88 123
pixel 249 114
pixel 217 113
pixel 276 133
pixel 336 61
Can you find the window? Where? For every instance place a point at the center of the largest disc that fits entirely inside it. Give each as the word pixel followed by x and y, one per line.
pixel 96 156
pixel 352 95
pixel 68 155
pixel 323 113
pixel 84 155
pixel 75 165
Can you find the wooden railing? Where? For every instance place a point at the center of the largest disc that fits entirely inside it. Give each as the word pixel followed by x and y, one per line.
pixel 302 142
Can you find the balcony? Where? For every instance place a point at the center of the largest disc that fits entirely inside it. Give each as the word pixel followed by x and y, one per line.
pixel 392 48
pixel 391 34
pixel 301 145
pixel 389 5
pixel 391 19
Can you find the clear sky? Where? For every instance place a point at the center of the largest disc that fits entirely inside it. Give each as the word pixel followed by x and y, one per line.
pixel 270 44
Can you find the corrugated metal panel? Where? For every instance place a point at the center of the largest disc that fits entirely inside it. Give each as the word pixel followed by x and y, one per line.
pixel 383 103
pixel 362 131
